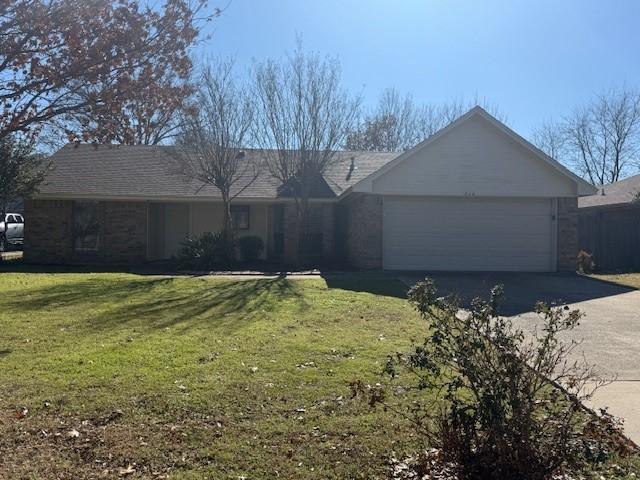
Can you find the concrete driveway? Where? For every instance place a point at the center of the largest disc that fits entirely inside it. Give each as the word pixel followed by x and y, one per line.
pixel 609 332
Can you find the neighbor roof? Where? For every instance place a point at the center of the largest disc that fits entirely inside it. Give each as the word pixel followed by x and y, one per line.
pixel 623 191
pixel 153 172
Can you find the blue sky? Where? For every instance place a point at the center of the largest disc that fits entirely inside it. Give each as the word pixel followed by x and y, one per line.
pixel 535 59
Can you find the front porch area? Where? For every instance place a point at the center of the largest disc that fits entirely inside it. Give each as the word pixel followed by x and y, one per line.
pixel 169 224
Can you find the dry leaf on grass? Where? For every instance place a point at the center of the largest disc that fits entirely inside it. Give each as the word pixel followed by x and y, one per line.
pixel 123 472
pixel 21 413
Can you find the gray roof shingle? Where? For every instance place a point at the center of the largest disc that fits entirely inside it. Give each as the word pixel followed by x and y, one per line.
pixel 623 191
pixel 154 171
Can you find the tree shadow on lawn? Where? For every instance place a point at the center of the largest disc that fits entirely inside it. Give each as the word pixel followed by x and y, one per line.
pixel 160 303
pixel 17 265
pixel 379 284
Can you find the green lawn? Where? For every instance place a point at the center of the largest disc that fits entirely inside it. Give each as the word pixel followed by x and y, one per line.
pixel 148 377
pixel 627 279
pixel 196 378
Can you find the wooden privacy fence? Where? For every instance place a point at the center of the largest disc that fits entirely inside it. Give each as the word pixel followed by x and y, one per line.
pixel 612 235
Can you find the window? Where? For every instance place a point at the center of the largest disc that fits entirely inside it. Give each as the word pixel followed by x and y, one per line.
pixel 86 227
pixel 240 217
pixel 19 219
pixel 10 219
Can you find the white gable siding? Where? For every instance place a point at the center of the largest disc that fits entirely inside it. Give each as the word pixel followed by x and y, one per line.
pixel 474 159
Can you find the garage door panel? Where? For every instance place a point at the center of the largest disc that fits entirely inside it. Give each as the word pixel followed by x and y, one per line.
pixel 464 235
pixel 489 263
pixel 416 250
pixel 467 234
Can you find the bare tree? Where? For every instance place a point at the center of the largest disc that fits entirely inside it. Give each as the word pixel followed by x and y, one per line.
pixel 603 137
pixel 304 116
pixel 431 118
pixel 550 139
pixel 398 124
pixel 213 138
pixel 391 127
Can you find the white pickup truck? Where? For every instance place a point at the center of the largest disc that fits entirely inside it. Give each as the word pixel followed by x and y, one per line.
pixel 11 231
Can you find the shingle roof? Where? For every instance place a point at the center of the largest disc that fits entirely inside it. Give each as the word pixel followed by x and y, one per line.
pixel 623 191
pixel 154 171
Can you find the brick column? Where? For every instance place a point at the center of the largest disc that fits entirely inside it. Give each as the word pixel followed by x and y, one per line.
pixel 567 233
pixel 364 231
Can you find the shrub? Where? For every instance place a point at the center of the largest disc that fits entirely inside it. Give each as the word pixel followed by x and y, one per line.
pixel 250 248
pixel 585 263
pixel 206 252
pixel 497 403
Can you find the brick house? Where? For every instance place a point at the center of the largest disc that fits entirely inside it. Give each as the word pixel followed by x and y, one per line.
pixel 474 196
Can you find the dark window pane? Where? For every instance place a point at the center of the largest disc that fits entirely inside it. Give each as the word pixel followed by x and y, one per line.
pixel 240 217
pixel 86 227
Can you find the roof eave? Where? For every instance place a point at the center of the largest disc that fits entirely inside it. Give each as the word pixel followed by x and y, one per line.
pixel 168 198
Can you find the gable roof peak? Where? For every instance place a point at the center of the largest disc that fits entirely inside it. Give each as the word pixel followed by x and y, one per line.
pixel 477 108
pixel 583 187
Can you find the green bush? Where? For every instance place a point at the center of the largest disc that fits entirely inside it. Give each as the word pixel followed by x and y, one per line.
pixel 250 248
pixel 209 251
pixel 498 403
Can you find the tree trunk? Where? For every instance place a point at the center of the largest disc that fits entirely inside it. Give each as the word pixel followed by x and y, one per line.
pixel 227 229
pixel 302 257
pixel 3 211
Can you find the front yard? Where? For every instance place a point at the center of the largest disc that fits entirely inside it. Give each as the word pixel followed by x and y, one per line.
pixel 105 375
pixel 112 375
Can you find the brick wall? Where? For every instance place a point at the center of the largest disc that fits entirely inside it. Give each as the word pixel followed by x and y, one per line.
pixel 328 230
pixel 321 221
pixel 124 232
pixel 363 234
pixel 49 233
pixel 567 233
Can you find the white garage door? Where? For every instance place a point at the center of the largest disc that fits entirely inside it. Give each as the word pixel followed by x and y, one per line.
pixel 438 233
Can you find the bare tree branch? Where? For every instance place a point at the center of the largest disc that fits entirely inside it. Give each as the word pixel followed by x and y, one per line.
pixel 600 140
pixel 398 124
pixel 213 139
pixel 549 138
pixel 304 116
